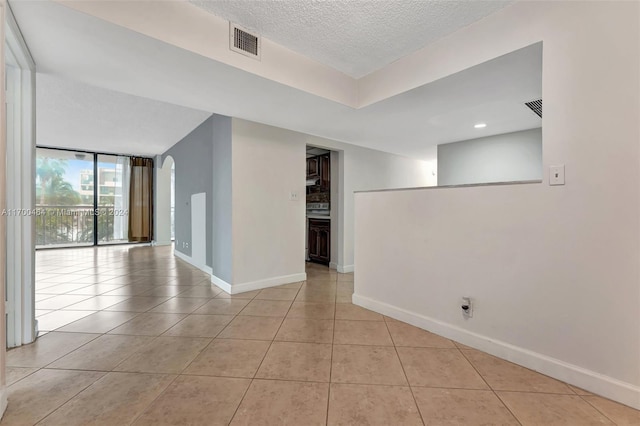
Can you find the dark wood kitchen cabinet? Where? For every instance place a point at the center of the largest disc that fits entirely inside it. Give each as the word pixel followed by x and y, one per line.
pixel 319 167
pixel 313 167
pixel 325 172
pixel 319 241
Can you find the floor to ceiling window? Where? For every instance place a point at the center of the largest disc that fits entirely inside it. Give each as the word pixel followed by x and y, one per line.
pixel 113 198
pixel 64 198
pixel 82 198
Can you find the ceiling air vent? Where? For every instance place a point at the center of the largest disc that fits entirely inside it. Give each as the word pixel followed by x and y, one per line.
pixel 242 41
pixel 535 106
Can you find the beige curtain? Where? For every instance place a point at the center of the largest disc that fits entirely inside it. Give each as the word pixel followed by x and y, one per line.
pixel 141 200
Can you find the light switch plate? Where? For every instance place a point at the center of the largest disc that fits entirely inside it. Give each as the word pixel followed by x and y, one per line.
pixel 556 175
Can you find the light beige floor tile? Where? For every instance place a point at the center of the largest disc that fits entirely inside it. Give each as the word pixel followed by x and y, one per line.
pixel 372 405
pixel 344 298
pixel 132 290
pixel 14 374
pixel 59 302
pixel 297 361
pixel 115 399
pixel 291 285
pixel 552 409
pixel 56 319
pixel 194 401
pixel 258 328
pixel 96 303
pixel 47 349
pixel 277 294
pixel 274 402
pixel 462 407
pixel 34 397
pixel 95 289
pixel 40 296
pixel 580 391
pixel 461 346
pixel 223 307
pixel 346 277
pixel 166 290
pixel 404 334
pixel 100 322
pixel 231 358
pixel 164 355
pixel 306 330
pixel 138 304
pixel 361 333
pixel 375 365
pixel 618 413
pixel 347 311
pixel 312 310
pixel 180 305
pixel 62 288
pixel 439 368
pixel 200 326
pixel 103 353
pixel 266 308
pixel 149 324
pixel 316 294
pixel 208 292
pixel 245 295
pixel 503 375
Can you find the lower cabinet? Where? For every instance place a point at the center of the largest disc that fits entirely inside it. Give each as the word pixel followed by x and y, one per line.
pixel 319 241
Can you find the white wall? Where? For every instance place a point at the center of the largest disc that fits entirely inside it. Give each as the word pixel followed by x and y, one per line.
pixel 162 204
pixel 554 270
pixel 508 157
pixel 268 228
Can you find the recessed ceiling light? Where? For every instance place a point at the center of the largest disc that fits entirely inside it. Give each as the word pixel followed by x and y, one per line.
pixel 480 125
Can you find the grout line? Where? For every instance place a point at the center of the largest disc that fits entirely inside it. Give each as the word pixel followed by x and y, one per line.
pixel 71 398
pixel 265 354
pixel 404 371
pixel 596 408
pixel 490 387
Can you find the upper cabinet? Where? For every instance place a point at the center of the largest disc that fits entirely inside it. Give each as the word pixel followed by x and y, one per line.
pixel 319 168
pixel 313 167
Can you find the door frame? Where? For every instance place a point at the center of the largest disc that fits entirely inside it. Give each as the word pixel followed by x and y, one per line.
pixel 20 195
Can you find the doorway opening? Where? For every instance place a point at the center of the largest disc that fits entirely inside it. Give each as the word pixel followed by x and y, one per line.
pixel 321 206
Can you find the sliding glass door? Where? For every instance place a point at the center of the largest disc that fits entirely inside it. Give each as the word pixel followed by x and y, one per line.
pixel 113 199
pixel 82 198
pixel 64 198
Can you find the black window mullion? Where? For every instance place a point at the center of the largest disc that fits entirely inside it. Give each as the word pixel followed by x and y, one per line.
pixel 95 199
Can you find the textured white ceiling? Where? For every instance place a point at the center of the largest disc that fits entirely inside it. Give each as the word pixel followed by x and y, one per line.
pixel 356 37
pixel 75 115
pixel 410 124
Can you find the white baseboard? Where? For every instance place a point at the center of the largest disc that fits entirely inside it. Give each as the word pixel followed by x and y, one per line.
pixel 345 269
pixel 161 243
pixel 609 387
pixel 191 262
pixel 266 283
pixel 333 265
pixel 3 400
pixel 222 284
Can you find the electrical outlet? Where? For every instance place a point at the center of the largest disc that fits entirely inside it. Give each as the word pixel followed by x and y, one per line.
pixel 187 245
pixel 467 307
pixel 293 196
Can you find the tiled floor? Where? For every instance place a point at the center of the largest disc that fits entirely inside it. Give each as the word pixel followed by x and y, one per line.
pixel 135 336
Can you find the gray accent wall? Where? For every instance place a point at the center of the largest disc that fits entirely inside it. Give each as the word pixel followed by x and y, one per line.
pixel 222 208
pixel 507 157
